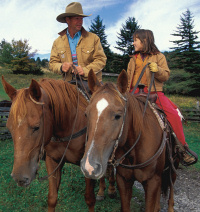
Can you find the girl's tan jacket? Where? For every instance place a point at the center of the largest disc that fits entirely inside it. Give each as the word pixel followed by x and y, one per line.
pixel 160 77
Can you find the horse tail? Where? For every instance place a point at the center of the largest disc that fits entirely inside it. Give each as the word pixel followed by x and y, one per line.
pixel 166 181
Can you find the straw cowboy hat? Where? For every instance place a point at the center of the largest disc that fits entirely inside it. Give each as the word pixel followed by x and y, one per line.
pixel 73 9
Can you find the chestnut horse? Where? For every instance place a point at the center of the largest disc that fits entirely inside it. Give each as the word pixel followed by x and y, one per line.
pixel 46 110
pixel 118 133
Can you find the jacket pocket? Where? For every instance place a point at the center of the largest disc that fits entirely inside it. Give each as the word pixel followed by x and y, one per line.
pixel 62 54
pixel 87 54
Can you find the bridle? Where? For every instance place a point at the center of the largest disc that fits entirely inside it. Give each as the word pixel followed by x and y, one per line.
pixel 68 138
pixel 118 162
pixel 41 154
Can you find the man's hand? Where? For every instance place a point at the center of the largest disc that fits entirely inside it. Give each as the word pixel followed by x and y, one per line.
pixel 66 66
pixel 78 69
pixel 153 67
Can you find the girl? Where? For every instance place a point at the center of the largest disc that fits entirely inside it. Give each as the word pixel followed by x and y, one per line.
pixel 147 52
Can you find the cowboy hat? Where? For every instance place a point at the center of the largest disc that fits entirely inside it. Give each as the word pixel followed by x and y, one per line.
pixel 73 9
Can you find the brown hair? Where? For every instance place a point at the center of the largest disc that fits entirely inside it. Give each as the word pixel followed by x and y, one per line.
pixel 147 38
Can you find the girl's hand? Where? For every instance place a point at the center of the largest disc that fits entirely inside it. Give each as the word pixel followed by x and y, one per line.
pixel 153 67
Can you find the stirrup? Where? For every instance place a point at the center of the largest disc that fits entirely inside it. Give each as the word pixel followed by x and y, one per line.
pixel 193 157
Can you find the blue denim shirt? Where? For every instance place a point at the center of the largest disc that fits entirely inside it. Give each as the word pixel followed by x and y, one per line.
pixel 73 43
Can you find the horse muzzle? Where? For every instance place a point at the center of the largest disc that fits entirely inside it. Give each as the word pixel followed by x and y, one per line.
pixel 25 173
pixel 21 180
pixel 93 170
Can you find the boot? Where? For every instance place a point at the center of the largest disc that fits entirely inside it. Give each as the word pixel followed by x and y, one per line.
pixel 187 156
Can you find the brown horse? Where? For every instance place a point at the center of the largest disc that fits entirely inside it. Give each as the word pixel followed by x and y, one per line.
pixel 116 125
pixel 49 109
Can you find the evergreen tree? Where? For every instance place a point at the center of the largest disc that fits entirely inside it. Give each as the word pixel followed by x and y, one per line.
pixel 125 43
pixel 186 47
pixel 98 28
pixel 186 54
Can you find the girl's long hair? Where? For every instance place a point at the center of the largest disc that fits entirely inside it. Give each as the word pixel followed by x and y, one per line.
pixel 147 38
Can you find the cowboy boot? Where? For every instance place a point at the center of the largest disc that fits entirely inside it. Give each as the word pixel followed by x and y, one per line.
pixel 187 156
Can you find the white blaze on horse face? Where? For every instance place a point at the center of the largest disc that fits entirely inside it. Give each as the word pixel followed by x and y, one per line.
pixel 101 105
pixel 88 167
pixel 19 121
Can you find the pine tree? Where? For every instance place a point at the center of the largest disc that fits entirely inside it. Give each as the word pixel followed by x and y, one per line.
pixel 98 28
pixel 125 43
pixel 186 52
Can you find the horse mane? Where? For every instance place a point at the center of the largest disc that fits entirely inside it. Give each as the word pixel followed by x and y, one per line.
pixel 141 122
pixel 63 97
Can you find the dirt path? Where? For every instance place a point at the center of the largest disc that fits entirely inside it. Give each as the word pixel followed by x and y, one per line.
pixel 187 191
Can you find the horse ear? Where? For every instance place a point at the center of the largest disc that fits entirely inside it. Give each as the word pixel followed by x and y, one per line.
pixel 9 89
pixel 93 82
pixel 34 90
pixel 122 81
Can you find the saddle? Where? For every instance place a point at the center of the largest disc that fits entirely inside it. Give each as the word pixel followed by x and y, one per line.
pixel 141 93
pixel 175 148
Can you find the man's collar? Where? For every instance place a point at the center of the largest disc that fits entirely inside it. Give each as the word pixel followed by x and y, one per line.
pixel 77 34
pixel 83 32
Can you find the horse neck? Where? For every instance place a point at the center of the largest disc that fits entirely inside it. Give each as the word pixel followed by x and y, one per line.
pixel 135 115
pixel 72 117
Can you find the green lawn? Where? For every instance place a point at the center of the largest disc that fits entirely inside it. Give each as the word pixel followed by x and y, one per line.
pixel 71 192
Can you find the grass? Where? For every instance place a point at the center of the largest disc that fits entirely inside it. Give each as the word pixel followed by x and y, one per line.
pixel 34 197
pixel 20 81
pixel 71 192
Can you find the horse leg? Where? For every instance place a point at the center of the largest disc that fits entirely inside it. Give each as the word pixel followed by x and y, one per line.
pixel 171 194
pixel 152 188
pixel 125 190
pixel 102 187
pixel 89 194
pixel 112 193
pixel 54 183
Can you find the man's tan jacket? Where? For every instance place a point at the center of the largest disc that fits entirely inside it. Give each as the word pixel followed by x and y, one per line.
pixel 89 52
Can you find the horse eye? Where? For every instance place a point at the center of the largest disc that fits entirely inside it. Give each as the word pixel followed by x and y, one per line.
pixel 35 129
pixel 117 117
pixel 86 115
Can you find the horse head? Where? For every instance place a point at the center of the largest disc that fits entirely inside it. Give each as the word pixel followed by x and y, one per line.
pixel 106 116
pixel 29 114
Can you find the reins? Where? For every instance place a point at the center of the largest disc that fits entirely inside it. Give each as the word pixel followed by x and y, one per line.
pixel 117 162
pixel 72 136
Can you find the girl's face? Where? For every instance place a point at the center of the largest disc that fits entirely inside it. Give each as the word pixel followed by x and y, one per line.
pixel 138 45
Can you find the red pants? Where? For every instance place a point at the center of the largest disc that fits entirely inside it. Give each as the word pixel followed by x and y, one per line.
pixel 171 113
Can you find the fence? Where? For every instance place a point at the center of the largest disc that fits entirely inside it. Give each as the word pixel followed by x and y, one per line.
pixel 4 113
pixel 189 114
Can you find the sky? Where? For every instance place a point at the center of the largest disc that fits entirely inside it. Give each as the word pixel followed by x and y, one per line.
pixel 35 20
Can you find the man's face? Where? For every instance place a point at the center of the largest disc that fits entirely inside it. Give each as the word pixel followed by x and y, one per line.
pixel 74 23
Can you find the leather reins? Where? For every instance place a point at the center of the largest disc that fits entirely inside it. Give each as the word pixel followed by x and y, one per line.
pixel 116 162
pixel 68 138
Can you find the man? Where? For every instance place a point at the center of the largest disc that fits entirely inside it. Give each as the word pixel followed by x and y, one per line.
pixel 76 46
